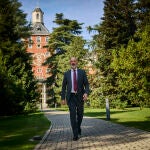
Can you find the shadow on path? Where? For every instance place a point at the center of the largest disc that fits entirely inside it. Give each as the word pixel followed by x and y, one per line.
pixel 97 134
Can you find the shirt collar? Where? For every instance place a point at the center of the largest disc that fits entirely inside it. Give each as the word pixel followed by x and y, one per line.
pixel 73 69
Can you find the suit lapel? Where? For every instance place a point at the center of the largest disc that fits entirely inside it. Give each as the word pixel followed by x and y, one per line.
pixel 69 76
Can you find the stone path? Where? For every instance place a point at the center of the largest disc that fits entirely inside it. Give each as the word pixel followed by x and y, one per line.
pixel 97 134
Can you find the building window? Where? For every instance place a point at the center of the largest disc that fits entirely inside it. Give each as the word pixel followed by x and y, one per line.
pixel 47 54
pixel 48 70
pixel 39 77
pixel 38 28
pixel 37 16
pixel 30 40
pixel 38 45
pixel 38 39
pixel 29 45
pixel 47 39
pixel 39 70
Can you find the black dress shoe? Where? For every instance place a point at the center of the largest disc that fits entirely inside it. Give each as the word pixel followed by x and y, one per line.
pixel 75 138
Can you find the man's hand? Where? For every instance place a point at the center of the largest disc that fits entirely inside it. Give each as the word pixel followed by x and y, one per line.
pixel 63 102
pixel 85 96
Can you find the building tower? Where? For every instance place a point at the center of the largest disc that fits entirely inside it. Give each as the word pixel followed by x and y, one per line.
pixel 37 42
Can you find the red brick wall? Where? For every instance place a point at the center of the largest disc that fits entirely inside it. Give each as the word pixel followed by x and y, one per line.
pixel 39 56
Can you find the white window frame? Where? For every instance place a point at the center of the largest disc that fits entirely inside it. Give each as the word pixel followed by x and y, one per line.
pixel 29 45
pixel 38 39
pixel 47 54
pixel 47 39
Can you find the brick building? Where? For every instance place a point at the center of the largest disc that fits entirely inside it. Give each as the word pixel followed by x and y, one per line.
pixel 37 42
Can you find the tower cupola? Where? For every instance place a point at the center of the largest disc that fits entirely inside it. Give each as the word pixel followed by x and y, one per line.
pixel 37 16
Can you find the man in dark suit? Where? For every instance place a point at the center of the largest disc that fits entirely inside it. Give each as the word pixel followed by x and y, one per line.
pixel 75 89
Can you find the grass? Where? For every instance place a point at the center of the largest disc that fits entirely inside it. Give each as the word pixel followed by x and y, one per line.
pixel 133 117
pixel 16 131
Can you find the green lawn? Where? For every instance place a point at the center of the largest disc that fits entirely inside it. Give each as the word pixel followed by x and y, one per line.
pixel 133 117
pixel 16 131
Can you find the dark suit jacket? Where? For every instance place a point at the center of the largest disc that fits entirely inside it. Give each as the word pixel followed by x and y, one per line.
pixel 82 83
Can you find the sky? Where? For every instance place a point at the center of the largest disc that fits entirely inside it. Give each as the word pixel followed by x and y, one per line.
pixel 88 12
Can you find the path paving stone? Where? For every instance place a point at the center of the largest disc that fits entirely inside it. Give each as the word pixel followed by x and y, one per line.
pixel 97 134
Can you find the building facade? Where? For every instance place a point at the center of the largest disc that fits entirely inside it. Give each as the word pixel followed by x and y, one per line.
pixel 37 47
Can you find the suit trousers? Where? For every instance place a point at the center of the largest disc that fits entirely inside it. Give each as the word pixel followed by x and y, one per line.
pixel 76 108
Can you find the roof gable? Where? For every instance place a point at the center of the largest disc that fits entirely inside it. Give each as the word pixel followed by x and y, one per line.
pixel 39 29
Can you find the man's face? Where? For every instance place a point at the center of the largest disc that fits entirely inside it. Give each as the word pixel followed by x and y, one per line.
pixel 73 63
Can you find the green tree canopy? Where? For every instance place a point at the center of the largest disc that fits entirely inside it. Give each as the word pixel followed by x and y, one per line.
pixel 17 88
pixel 117 27
pixel 132 65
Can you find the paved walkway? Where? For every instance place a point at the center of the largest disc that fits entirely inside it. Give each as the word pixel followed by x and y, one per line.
pixel 97 134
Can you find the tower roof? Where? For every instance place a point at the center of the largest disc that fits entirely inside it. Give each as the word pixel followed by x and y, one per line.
pixel 39 29
pixel 37 9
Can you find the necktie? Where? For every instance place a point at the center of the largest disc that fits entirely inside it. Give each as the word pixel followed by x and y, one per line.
pixel 74 80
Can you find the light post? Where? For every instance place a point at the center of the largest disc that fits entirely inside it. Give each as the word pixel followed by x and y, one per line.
pixel 107 109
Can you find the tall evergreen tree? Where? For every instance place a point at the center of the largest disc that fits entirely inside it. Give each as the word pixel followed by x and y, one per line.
pixel 61 45
pixel 143 13
pixel 17 88
pixel 116 29
pixel 118 23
